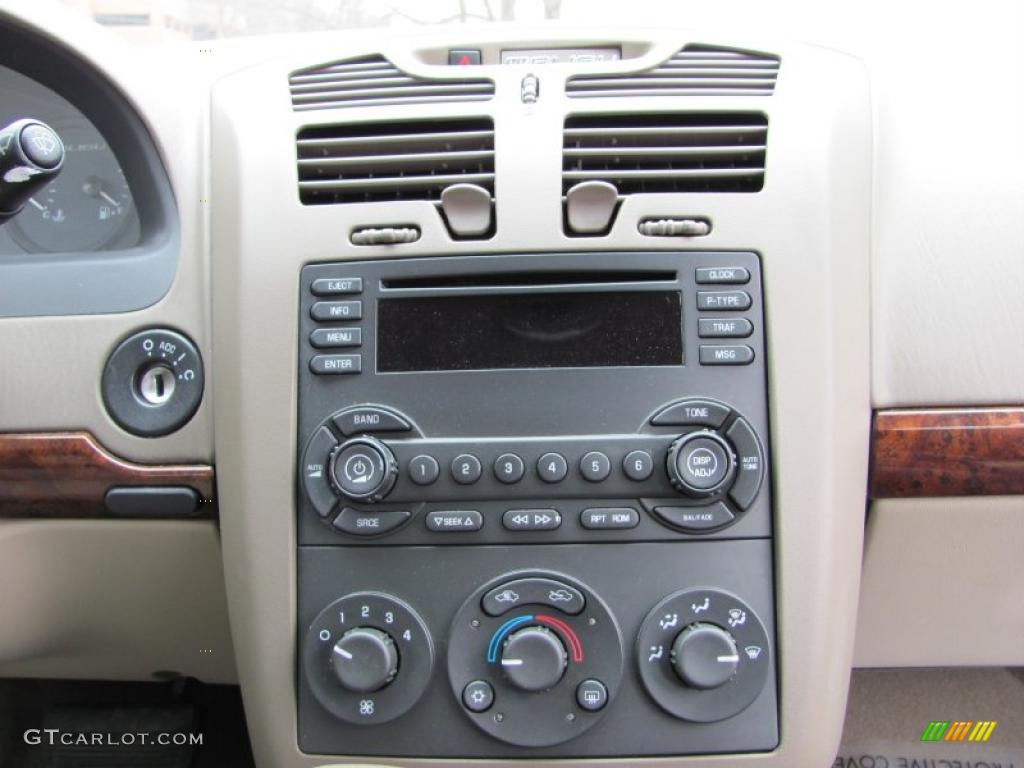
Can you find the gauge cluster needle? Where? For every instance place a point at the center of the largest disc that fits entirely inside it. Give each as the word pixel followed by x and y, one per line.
pixel 37 204
pixel 109 199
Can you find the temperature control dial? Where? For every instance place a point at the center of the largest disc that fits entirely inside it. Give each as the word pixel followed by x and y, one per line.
pixel 700 464
pixel 363 469
pixel 533 659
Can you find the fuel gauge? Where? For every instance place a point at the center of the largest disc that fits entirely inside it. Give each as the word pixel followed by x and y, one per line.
pixel 88 207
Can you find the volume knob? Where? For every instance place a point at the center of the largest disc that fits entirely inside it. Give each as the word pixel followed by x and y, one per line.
pixel 363 469
pixel 700 464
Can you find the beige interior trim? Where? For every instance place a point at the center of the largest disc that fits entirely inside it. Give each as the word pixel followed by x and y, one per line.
pixel 113 600
pixel 942 583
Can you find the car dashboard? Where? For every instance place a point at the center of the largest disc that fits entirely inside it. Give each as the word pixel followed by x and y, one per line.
pixel 496 394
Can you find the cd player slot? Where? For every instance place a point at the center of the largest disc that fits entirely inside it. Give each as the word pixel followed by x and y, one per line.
pixel 530 279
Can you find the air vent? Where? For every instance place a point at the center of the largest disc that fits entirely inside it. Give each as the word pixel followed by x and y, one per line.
pixel 696 70
pixel 373 80
pixel 370 162
pixel 677 152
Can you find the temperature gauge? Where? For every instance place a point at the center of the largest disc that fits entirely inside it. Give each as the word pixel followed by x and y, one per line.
pixel 88 207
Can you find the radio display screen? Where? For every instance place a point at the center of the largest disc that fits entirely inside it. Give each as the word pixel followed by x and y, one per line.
pixel 540 330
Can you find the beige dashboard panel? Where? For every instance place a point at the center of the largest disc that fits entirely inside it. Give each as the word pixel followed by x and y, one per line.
pixel 941 583
pixel 113 600
pixel 810 223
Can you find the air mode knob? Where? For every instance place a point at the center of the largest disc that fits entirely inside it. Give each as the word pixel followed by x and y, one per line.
pixel 533 659
pixel 363 469
pixel 700 464
pixel 705 656
pixel 364 660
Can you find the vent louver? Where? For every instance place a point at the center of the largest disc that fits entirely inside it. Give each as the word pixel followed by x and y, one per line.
pixel 677 152
pixel 373 80
pixel 369 162
pixel 696 70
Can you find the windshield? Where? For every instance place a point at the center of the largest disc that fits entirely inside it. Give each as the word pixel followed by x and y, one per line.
pixel 179 20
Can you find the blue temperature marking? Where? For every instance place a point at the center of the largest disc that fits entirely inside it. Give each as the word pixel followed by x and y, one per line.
pixel 499 635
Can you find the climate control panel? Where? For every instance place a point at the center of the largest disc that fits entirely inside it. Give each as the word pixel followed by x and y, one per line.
pixel 537 658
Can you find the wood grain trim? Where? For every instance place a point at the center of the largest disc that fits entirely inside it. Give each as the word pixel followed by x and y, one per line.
pixel 964 452
pixel 67 474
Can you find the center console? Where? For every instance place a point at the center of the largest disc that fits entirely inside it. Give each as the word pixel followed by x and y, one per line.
pixel 533 497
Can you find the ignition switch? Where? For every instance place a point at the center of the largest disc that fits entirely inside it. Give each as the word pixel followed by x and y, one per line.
pixel 153 382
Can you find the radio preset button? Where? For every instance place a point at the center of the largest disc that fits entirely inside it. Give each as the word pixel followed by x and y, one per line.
pixel 722 275
pixel 720 354
pixel 326 338
pixel 595 466
pixel 465 469
pixel 329 286
pixel 337 310
pixel 463 520
pixel 728 301
pixel 552 467
pixel 531 519
pixel 638 465
pixel 423 470
pixel 508 468
pixel 609 518
pixel 724 327
pixel 353 421
pixel 336 364
pixel 692 413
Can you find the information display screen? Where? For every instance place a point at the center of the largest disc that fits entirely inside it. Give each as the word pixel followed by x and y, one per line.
pixel 534 56
pixel 542 330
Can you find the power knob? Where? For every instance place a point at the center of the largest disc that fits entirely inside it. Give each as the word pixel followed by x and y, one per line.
pixel 700 464
pixel 364 660
pixel 363 469
pixel 533 659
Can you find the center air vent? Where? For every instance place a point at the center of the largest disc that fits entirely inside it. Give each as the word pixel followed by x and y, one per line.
pixel 696 70
pixel 673 152
pixel 373 80
pixel 370 162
